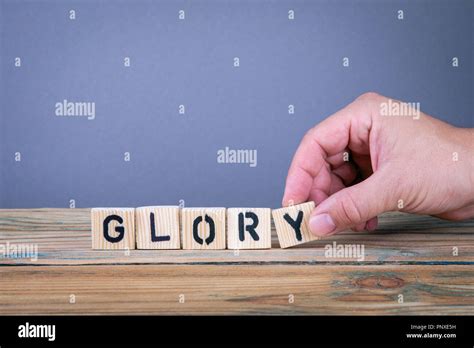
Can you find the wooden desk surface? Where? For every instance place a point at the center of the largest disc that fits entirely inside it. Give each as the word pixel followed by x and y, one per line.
pixel 410 257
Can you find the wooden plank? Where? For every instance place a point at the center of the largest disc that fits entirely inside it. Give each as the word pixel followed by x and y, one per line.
pixel 409 255
pixel 63 237
pixel 238 289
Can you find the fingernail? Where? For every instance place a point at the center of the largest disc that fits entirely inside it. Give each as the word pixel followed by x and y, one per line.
pixel 322 224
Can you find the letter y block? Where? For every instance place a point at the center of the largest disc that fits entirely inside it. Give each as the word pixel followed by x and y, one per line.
pixel 292 226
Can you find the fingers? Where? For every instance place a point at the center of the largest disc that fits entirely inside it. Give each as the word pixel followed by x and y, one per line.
pixel 319 190
pixel 353 206
pixel 370 225
pixel 338 160
pixel 346 172
pixel 359 227
pixel 347 128
pixel 459 214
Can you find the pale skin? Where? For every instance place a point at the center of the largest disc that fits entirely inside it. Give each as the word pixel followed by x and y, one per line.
pixel 417 165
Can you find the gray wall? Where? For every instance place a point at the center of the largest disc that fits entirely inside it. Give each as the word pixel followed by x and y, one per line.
pixel 190 62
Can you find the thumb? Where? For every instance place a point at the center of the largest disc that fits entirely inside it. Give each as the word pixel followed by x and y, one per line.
pixel 353 205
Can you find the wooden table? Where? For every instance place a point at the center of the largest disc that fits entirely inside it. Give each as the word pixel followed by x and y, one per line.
pixel 412 265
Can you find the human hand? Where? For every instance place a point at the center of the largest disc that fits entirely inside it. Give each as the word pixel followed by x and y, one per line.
pixel 415 164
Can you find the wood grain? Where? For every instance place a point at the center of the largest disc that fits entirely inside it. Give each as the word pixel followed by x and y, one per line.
pixel 63 237
pixel 408 255
pixel 237 289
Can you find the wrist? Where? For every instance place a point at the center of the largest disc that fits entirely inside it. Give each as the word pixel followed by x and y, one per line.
pixel 466 136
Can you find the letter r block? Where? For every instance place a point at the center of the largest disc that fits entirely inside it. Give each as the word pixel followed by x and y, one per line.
pixel 249 228
pixel 292 226
pixel 203 228
pixel 113 228
pixel 157 227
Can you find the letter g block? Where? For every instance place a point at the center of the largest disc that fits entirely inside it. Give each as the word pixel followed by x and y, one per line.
pixel 113 228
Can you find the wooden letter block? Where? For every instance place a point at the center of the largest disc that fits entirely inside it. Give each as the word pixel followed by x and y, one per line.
pixel 249 228
pixel 203 228
pixel 291 224
pixel 157 227
pixel 113 228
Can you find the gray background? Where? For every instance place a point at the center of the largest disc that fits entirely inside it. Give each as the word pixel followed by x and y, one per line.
pixel 190 62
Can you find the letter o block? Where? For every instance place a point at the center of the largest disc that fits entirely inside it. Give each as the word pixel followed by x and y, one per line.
pixel 292 226
pixel 249 228
pixel 203 228
pixel 113 228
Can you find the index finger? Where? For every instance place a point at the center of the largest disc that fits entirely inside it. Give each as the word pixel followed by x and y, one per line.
pixel 349 126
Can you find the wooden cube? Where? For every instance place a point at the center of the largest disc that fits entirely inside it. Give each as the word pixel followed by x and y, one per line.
pixel 113 228
pixel 249 228
pixel 157 227
pixel 203 228
pixel 292 224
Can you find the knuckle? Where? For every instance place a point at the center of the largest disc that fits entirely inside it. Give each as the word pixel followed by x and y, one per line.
pixel 309 134
pixel 370 96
